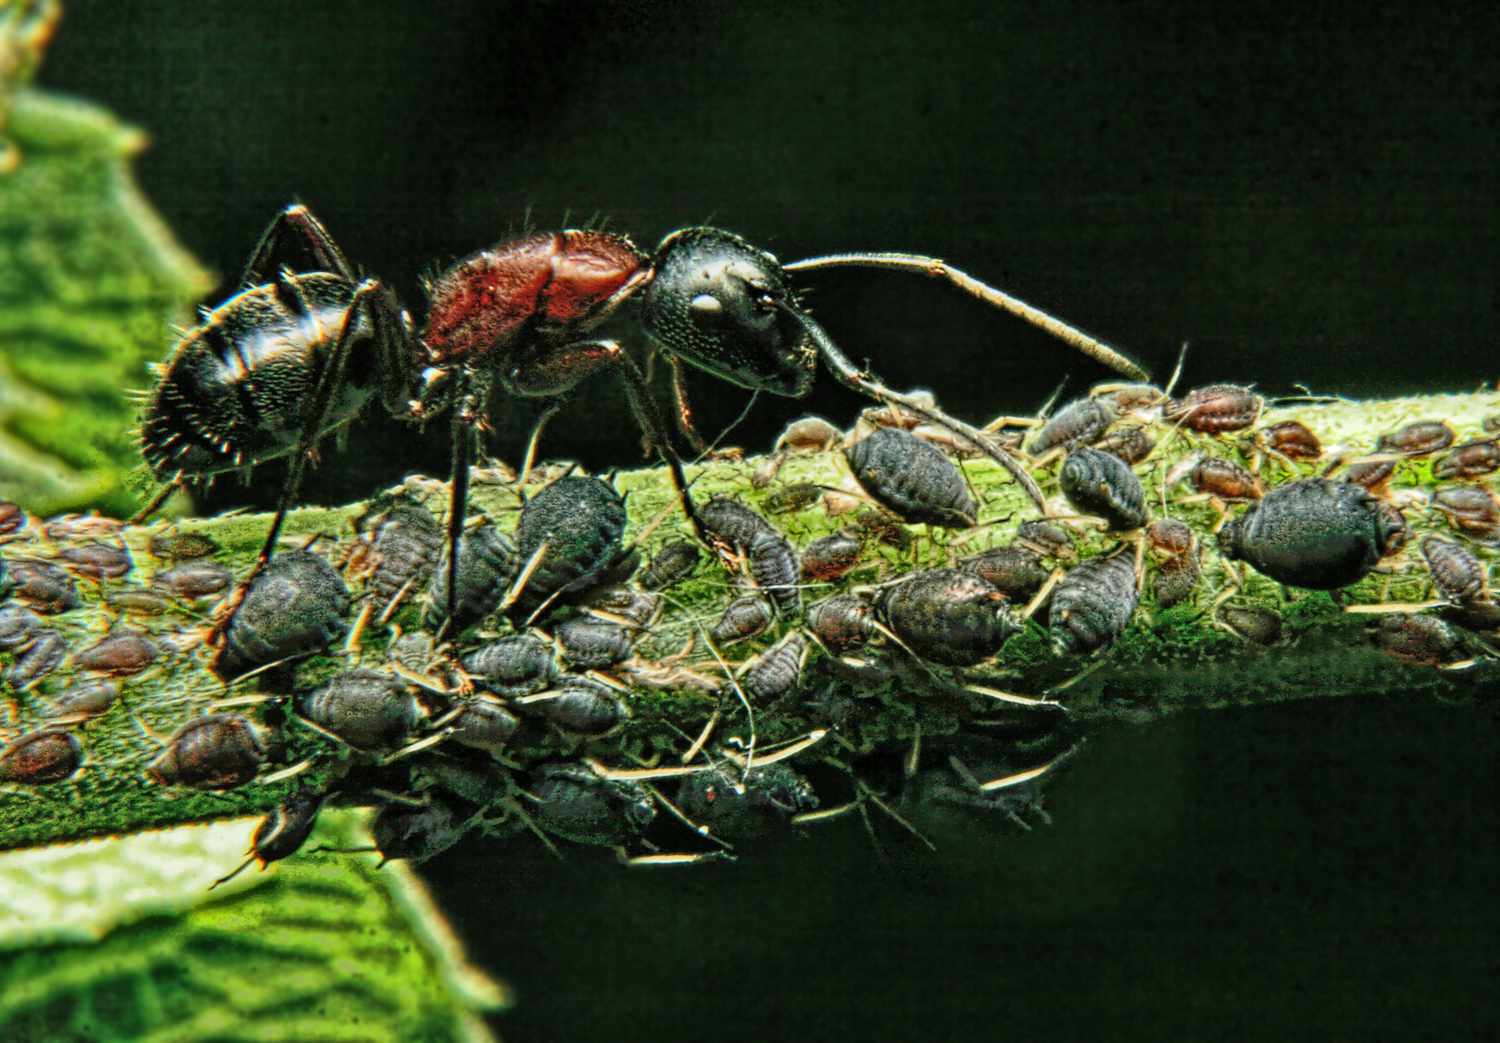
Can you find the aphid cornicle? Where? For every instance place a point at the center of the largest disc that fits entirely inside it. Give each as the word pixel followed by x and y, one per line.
pixel 1082 421
pixel 1102 484
pixel 1215 409
pixel 367 709
pixel 1312 533
pixel 214 752
pixel 40 758
pixel 1470 460
pixel 578 805
pixel 1094 602
pixel 947 616
pixel 295 607
pixel 742 807
pixel 581 520
pixel 670 565
pixel 487 566
pixel 912 479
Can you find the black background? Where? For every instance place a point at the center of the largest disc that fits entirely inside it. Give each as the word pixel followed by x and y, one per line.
pixel 1304 192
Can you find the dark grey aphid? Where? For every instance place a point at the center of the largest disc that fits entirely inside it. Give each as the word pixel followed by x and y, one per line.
pixel 296 606
pixel 40 758
pixel 487 565
pixel 1456 572
pixel 743 618
pixel 593 644
pixel 773 563
pixel 215 752
pixel 367 709
pixel 740 808
pixel 947 615
pixel 842 622
pixel 516 665
pixel 636 606
pixel 1082 421
pixel 1017 572
pixel 198 578
pixel 732 522
pixel 1176 578
pixel 575 804
pixel 1093 603
pixel 122 653
pixel 97 561
pixel 830 557
pixel 180 546
pixel 670 565
pixel 418 833
pixel 913 479
pixel 483 724
pixel 400 550
pixel 43 655
pixel 1101 484
pixel 777 672
pixel 1312 533
pixel 45 586
pixel 83 701
pixel 414 650
pixel 578 705
pixel 581 520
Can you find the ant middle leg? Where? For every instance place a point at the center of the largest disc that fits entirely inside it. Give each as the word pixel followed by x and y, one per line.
pixel 296 223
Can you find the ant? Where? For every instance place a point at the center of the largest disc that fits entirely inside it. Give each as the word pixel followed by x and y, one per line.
pixel 296 354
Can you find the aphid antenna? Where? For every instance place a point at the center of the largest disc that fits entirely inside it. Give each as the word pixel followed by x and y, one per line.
pixel 781 751
pixel 698 744
pixel 1020 777
pixel 1081 675
pixel 514 807
pixel 913 758
pixel 425 743
pixel 351 643
pixel 1013 697
pixel 236 872
pixel 673 859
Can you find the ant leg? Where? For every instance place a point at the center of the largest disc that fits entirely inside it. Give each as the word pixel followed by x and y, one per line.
pixel 939 269
pixel 851 377
pixel 140 517
pixel 683 411
pixel 295 221
pixel 471 395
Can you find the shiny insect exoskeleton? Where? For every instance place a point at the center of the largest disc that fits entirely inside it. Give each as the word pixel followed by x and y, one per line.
pixel 214 752
pixel 1093 603
pixel 295 607
pixel 194 579
pixel 1292 439
pixel 1417 639
pixel 843 622
pixel 1225 479
pixel 743 618
pixel 368 710
pixel 516 665
pixel 670 565
pixel 947 615
pixel 1131 444
pixel 581 520
pixel 578 805
pixel 488 564
pixel 1458 575
pixel 1418 438
pixel 482 723
pixel 43 585
pixel 36 660
pixel 578 705
pixel 1470 460
pixel 1082 421
pixel 83 701
pixel 1215 409
pixel 741 807
pixel 776 672
pixel 912 479
pixel 122 653
pixel 773 563
pixel 593 644
pixel 830 557
pixel 181 546
pixel 40 758
pixel 402 831
pixel 1102 484
pixel 97 561
pixel 1015 571
pixel 397 553
pixel 1312 533
pixel 789 498
pixel 1253 623
pixel 1470 508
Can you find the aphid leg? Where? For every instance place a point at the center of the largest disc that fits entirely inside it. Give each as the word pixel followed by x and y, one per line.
pixel 351 644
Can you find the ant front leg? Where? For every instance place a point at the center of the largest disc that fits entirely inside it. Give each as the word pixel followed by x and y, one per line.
pixel 295 222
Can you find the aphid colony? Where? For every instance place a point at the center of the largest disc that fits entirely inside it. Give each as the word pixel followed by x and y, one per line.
pixel 556 696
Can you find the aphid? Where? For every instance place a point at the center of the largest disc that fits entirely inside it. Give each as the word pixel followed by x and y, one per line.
pixel 1101 484
pixel 637 607
pixel 578 805
pixel 41 758
pixel 912 479
pixel 1258 625
pixel 1082 421
pixel 1015 571
pixel 579 705
pixel 17 627
pixel 482 723
pixel 1175 580
pixel 1093 603
pixel 842 622
pixel 1371 475
pixel 367 709
pixel 194 579
pixel 43 585
pixel 891 415
pixel 1470 460
pixel 742 807
pixel 773 563
pixel 1046 538
pixel 670 565
pixel 83 701
pixel 808 434
pixel 1418 639
pixel 137 599
pixel 1458 575
pixel 296 606
pixel 947 616
pixel 777 671
pixel 1225 479
pixel 182 546
pixel 830 557
pixel 516 665
pixel 283 832
pixel 12 518
pixel 122 653
pixel 398 552
pixel 43 655
pixel 1170 536
pixel 81 527
pixel 581 520
pixel 1131 444
pixel 883 527
pixel 1393 524
pixel 593 644
pixel 487 565
pixel 414 650
pixel 1471 508
pixel 743 618
pixel 731 522
pixel 1418 438
pixel 796 497
pixel 215 752
pixel 97 561
pixel 1215 409
pixel 402 831
pixel 1292 439
pixel 1312 533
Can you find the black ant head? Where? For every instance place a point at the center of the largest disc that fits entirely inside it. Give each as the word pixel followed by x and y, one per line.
pixel 720 304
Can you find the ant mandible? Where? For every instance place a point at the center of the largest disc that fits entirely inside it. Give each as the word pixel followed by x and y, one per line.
pixel 296 354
